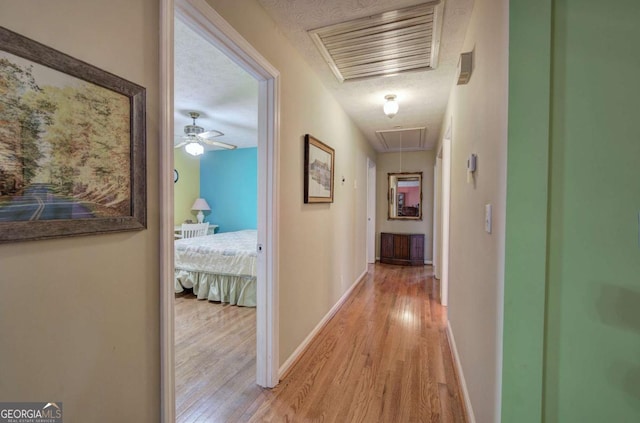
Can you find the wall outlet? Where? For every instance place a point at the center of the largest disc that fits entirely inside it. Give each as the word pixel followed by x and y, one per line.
pixel 487 218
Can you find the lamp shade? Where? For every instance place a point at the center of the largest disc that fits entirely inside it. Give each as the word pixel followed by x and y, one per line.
pixel 200 204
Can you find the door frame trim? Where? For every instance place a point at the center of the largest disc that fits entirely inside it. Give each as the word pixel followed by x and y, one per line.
pixel 445 215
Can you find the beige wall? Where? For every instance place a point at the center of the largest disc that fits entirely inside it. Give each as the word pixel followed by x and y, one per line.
pixel 419 161
pixel 79 317
pixel 476 270
pixel 187 189
pixel 322 246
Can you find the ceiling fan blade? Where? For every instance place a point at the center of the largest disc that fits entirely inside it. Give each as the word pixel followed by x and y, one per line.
pixel 210 134
pixel 220 144
pixel 180 144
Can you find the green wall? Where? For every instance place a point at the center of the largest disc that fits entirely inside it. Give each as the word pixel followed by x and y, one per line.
pixel 593 337
pixel 526 222
pixel 590 349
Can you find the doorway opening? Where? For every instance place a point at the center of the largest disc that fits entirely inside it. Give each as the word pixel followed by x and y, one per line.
pixel 215 272
pixel 371 211
pixel 442 207
pixel 202 19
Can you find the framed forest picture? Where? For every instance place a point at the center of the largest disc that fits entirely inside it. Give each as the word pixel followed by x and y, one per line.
pixel 72 145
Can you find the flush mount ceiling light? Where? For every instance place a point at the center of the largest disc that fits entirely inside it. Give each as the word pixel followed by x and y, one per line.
pixel 390 105
pixel 382 45
pixel 195 137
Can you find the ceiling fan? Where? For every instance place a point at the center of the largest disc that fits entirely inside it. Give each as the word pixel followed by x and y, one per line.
pixel 195 137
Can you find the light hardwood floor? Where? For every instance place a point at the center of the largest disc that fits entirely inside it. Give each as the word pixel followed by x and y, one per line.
pixel 215 350
pixel 383 357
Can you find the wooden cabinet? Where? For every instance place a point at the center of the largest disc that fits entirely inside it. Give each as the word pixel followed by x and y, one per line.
pixel 406 249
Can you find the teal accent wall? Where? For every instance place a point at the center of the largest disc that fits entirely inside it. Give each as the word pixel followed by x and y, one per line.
pixel 229 183
pixel 572 335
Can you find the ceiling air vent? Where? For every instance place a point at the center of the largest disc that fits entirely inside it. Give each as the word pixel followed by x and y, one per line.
pixel 381 45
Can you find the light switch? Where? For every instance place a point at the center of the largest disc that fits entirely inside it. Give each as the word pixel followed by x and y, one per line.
pixel 487 218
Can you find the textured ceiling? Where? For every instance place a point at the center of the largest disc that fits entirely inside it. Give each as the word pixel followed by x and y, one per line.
pixel 422 95
pixel 208 82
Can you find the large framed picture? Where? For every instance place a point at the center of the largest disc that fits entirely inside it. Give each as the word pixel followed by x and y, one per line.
pixel 72 145
pixel 318 171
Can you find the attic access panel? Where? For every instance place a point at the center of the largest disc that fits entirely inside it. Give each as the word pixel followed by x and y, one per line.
pixel 381 45
pixel 405 139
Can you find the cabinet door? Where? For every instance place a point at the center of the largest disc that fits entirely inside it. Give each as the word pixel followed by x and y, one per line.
pixel 401 247
pixel 386 245
pixel 417 247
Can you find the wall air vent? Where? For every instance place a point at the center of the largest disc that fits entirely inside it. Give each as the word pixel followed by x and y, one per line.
pixel 382 45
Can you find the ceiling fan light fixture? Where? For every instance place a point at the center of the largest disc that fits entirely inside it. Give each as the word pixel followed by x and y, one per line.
pixel 194 148
pixel 196 138
pixel 391 105
pixel 193 129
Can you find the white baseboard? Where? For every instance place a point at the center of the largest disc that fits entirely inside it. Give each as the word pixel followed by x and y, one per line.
pixel 286 366
pixel 463 384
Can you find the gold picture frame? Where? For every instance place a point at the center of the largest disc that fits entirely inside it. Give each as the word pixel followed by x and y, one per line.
pixel 319 160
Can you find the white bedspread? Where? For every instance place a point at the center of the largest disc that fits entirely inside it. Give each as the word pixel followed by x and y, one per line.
pixel 229 253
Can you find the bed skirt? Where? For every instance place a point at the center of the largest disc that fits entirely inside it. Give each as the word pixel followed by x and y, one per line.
pixel 235 290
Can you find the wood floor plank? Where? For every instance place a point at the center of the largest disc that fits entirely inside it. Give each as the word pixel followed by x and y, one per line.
pixel 383 357
pixel 453 386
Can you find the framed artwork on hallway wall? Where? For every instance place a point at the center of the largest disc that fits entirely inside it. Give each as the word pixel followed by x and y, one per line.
pixel 72 145
pixel 318 171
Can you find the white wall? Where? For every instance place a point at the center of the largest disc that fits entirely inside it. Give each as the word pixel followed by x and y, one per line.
pixel 476 271
pixel 322 246
pixel 79 317
pixel 417 161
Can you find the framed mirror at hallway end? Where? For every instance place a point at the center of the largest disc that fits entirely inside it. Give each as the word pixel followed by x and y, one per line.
pixel 405 196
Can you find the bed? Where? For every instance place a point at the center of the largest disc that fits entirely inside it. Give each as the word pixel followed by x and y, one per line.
pixel 219 267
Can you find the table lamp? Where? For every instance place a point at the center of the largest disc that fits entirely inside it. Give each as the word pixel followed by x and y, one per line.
pixel 200 204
